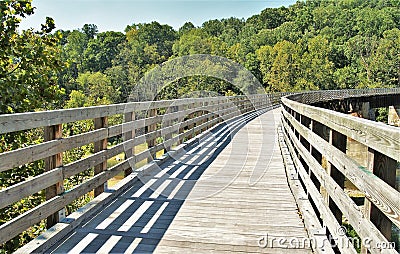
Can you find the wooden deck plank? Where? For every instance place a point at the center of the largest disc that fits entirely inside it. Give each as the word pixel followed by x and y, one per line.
pixel 220 221
pixel 221 196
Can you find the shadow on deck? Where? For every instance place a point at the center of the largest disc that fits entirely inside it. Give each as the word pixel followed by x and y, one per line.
pixel 137 220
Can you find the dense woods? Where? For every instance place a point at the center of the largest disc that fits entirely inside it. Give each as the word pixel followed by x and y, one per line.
pixel 311 45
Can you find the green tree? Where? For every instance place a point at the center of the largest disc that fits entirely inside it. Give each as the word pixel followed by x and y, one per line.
pixel 285 67
pixel 90 30
pixel 316 70
pixel 29 61
pixel 74 49
pixel 97 88
pixel 29 64
pixel 102 50
pixel 185 28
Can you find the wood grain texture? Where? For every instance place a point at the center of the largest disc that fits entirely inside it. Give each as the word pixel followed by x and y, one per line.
pixel 364 227
pixel 50 163
pixel 327 216
pixel 29 154
pixel 232 219
pixel 30 120
pixel 378 136
pixel 100 123
pixel 385 197
pixel 19 224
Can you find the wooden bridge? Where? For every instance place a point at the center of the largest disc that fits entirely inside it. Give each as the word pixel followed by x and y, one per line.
pixel 251 174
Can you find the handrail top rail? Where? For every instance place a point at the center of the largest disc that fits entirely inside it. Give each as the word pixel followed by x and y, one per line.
pixel 378 136
pixel 30 120
pixel 310 97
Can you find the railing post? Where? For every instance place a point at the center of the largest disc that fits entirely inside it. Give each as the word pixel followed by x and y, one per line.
pixel 181 129
pixel 191 126
pixel 394 115
pixel 168 136
pixel 204 112
pixel 52 162
pixel 101 122
pixel 130 135
pixel 385 168
pixel 152 142
pixel 339 141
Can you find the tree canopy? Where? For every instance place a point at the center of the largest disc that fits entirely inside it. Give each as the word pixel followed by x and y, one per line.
pixel 311 45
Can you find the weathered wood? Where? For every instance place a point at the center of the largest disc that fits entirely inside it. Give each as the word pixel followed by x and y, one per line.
pixel 50 163
pixel 385 168
pixel 246 104
pixel 98 136
pixel 329 219
pixel 378 136
pixel 151 128
pixel 21 190
pixel 178 121
pixel 214 216
pixel 30 120
pixel 33 153
pixel 339 141
pixel 19 224
pixel 100 123
pixel 343 202
pixel 380 193
pixel 308 214
pixel 129 135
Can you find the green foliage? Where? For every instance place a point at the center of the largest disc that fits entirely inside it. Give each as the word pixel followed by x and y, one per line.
pixel 355 239
pixel 29 61
pixel 102 50
pixel 29 64
pixel 316 44
pixel 382 115
pixel 97 89
pixel 311 45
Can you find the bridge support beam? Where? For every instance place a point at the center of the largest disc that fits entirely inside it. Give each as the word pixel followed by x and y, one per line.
pixel 101 145
pixel 204 112
pixel 191 126
pixel 130 135
pixel 52 162
pixel 367 112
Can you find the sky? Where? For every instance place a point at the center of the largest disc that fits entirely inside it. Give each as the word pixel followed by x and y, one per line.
pixel 115 15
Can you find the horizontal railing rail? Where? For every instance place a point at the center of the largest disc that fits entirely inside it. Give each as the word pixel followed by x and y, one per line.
pixel 160 125
pixel 317 140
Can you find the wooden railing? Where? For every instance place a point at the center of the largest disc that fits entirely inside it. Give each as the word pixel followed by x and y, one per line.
pixel 167 122
pixel 317 139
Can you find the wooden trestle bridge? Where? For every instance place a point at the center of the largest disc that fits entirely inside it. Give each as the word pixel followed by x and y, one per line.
pixel 252 174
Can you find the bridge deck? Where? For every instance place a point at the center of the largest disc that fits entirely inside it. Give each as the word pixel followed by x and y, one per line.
pixel 222 195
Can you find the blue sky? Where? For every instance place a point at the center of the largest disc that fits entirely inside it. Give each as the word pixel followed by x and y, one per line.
pixel 115 15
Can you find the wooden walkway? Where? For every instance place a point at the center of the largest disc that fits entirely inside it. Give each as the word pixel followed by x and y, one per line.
pixel 222 195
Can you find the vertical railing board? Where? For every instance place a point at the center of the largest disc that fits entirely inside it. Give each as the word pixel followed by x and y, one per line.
pixel 340 142
pixel 385 168
pixel 101 145
pixel 52 162
pixel 152 142
pixel 129 153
